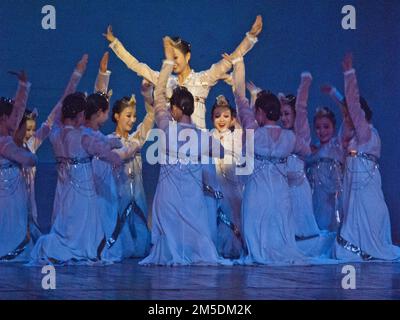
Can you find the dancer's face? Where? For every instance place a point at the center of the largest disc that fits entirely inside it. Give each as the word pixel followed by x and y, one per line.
pixel 222 118
pixel 287 116
pixel 30 129
pixel 324 129
pixel 181 61
pixel 126 119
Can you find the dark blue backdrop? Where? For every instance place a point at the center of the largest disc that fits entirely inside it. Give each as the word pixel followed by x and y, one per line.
pixel 298 35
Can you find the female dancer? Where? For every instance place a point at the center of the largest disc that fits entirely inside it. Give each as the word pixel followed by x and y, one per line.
pixel 268 229
pixel 230 241
pixel 55 133
pixel 326 171
pixel 31 139
pixel 132 227
pixel 365 233
pixel 78 231
pixel 294 117
pixel 198 83
pixel 15 238
pixel 180 231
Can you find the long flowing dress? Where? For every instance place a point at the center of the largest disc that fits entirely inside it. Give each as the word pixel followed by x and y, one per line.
pixel 180 230
pixel 15 240
pixel 266 209
pixel 365 233
pixel 230 241
pixel 56 142
pixel 77 232
pixel 129 180
pixel 325 171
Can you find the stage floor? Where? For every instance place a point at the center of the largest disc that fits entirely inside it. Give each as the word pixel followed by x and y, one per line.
pixel 128 280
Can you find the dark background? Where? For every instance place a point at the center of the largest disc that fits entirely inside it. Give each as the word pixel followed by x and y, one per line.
pixel 297 36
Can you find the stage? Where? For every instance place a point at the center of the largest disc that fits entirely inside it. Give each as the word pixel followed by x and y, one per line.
pixel 129 281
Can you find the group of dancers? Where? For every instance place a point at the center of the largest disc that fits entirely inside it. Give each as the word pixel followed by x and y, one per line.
pixel 301 203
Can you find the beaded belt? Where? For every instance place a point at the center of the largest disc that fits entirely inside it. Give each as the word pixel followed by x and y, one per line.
pixel 73 161
pixel 274 160
pixel 366 156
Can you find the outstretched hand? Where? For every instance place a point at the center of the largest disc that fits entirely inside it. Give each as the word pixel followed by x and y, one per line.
pixel 109 35
pixel 21 75
pixel 257 26
pixel 104 62
pixel 81 65
pixel 347 62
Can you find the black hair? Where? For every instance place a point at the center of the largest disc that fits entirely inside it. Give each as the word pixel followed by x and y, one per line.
pixel 183 99
pixel 366 108
pixel 95 102
pixel 290 100
pixel 325 112
pixel 6 106
pixel 120 105
pixel 73 104
pixel 28 115
pixel 182 45
pixel 270 104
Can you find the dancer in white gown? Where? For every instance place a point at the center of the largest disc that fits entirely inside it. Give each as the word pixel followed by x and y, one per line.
pixel 267 222
pixel 325 171
pixel 15 240
pixel 230 241
pixel 55 133
pixel 78 231
pixel 133 223
pixel 180 231
pixel 365 233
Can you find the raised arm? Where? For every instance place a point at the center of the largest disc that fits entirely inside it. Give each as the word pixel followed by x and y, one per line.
pixel 254 90
pixel 301 125
pixel 245 113
pixel 55 115
pixel 142 132
pixel 357 115
pixel 162 115
pixel 142 69
pixel 21 97
pixel 14 153
pixel 103 76
pixel 218 70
